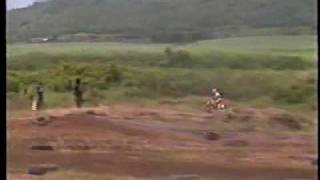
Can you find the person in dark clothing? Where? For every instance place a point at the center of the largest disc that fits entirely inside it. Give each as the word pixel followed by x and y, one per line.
pixel 38 99
pixel 78 93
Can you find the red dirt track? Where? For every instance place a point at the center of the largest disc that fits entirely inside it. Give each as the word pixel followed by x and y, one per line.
pixel 144 143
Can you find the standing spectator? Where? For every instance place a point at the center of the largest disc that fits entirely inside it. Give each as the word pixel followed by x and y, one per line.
pixel 78 93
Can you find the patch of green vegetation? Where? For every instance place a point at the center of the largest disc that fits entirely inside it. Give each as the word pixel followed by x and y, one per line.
pixel 303 46
pixel 124 82
pixel 168 74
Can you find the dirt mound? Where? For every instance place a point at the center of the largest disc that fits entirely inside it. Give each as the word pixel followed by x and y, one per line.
pixel 243 115
pixel 42 144
pixel 42 147
pixel 42 169
pixel 186 177
pixel 96 113
pixel 270 118
pixel 212 136
pixel 236 143
pixel 287 121
pixel 78 147
pixel 42 120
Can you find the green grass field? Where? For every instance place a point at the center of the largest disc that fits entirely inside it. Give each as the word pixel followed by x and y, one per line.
pixel 302 46
pixel 260 71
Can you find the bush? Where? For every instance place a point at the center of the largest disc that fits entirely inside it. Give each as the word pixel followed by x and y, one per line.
pixel 180 58
pixel 157 75
pixel 47 59
pixel 256 62
pixel 288 120
pixel 113 74
pixel 294 94
pixel 13 84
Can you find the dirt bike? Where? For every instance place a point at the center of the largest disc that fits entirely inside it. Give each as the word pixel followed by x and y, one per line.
pixel 214 105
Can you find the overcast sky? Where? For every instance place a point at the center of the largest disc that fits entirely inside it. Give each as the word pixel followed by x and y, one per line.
pixel 12 4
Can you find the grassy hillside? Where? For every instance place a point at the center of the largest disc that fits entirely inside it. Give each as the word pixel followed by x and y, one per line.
pixel 301 46
pixel 297 46
pixel 161 20
pixel 265 75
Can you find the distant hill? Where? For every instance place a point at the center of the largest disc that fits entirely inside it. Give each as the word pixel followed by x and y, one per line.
pixel 158 20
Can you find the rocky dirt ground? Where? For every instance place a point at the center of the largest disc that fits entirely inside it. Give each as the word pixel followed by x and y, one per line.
pixel 161 143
